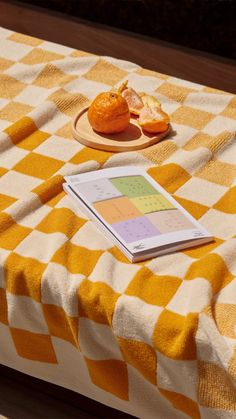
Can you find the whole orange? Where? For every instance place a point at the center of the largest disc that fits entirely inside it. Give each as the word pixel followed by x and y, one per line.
pixel 109 113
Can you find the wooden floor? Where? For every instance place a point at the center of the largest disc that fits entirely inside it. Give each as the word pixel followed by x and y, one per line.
pixel 21 402
pixel 25 397
pixel 192 65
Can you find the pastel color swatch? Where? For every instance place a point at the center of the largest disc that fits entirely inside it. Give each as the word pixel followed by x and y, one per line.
pixel 169 221
pixel 133 186
pixel 152 203
pixel 117 209
pixel 97 190
pixel 136 229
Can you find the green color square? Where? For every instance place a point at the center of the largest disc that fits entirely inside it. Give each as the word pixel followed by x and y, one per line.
pixel 133 186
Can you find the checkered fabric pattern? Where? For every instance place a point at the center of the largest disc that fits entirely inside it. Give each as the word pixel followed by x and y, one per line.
pixel 155 339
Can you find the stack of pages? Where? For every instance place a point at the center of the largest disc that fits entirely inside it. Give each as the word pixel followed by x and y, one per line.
pixel 135 212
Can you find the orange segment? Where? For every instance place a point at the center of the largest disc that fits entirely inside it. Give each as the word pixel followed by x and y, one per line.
pixel 153 119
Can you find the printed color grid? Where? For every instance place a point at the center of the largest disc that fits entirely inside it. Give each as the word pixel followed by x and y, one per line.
pixel 134 208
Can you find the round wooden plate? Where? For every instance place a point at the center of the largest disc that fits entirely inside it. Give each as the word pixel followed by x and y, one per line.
pixel 133 138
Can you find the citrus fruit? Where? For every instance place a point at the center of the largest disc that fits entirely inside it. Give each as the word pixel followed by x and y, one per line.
pixel 149 100
pixel 133 99
pixel 153 119
pixel 109 113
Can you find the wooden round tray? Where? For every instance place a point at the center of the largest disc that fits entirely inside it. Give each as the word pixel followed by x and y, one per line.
pixel 133 138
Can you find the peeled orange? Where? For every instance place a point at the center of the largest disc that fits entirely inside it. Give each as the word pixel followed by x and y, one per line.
pixel 109 113
pixel 133 99
pixel 153 119
pixel 149 100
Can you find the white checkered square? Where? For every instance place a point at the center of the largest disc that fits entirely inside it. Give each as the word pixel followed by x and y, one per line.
pixel 25 313
pixel 17 184
pixel 57 48
pixel 208 102
pixel 134 319
pixel 33 95
pixel 219 224
pixel 12 156
pixel 24 73
pixel 166 264
pixel 219 124
pixel 191 296
pixel 114 273
pixel 83 238
pixel 202 191
pixel 184 378
pixel 59 148
pixel 40 246
pixel 88 88
pixel 59 287
pixel 140 83
pixel 97 341
pixel 13 50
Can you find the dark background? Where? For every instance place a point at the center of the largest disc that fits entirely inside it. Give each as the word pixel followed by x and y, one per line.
pixel 206 25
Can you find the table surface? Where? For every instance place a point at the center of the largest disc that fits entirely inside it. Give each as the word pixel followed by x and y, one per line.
pixel 192 65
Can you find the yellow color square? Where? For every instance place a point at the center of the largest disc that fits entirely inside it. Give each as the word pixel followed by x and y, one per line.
pixel 153 289
pixel 52 76
pixel 4 64
pixel 25 39
pixel 160 152
pixel 49 190
pixel 170 176
pixel 76 259
pixel 3 307
pixel 33 346
pixel 174 335
pixel 21 129
pixel 3 171
pixel 68 103
pixel 11 233
pixel 151 203
pixel 39 166
pixel 60 324
pixel 88 154
pixel 33 140
pixel 141 356
pixel 105 72
pixel 10 87
pixel 14 111
pixel 230 110
pixel 6 201
pixel 110 375
pixel 228 202
pixel 38 55
pixel 182 403
pixel 23 276
pixel 174 92
pixel 195 209
pixel 97 301
pixel 54 222
pixel 215 389
pixel 218 172
pixel 191 117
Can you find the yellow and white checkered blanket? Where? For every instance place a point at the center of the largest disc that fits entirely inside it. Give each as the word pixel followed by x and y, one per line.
pixel 154 339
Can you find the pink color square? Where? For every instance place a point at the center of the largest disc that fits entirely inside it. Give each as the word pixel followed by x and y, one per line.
pixel 169 220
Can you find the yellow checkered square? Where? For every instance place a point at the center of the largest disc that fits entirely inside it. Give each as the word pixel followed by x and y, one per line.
pixel 38 166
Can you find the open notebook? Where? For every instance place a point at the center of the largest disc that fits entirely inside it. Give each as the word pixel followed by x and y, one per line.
pixel 135 212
